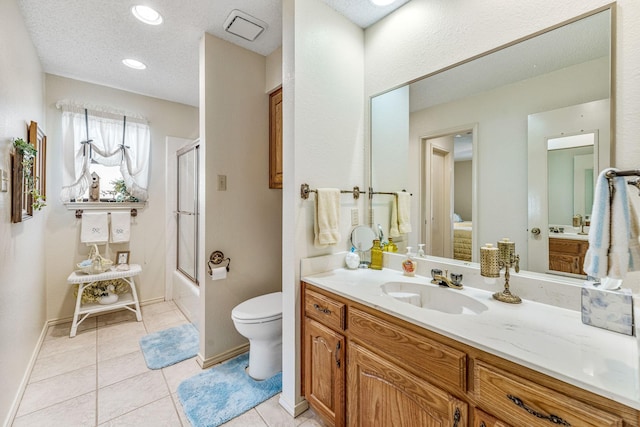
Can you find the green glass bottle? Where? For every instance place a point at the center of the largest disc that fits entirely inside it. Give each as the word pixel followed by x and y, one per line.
pixel 376 256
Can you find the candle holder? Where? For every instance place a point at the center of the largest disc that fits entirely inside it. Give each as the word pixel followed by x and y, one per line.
pixel 506 295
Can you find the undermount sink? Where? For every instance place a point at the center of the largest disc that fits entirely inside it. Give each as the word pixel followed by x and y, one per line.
pixel 431 297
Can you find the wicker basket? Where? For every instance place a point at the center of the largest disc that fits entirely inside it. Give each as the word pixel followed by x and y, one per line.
pixel 102 264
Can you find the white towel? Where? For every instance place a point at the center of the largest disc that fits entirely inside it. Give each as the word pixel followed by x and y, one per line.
pixel 400 214
pixel 95 227
pixel 327 217
pixel 120 226
pixel 634 239
pixel 609 233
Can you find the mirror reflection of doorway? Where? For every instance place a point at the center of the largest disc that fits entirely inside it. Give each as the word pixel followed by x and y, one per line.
pixel 448 195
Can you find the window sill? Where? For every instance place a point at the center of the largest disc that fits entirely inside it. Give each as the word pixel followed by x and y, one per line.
pixel 79 207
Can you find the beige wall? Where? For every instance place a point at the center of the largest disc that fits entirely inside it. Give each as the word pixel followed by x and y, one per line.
pixel 22 246
pixel 147 244
pixel 244 221
pixel 462 181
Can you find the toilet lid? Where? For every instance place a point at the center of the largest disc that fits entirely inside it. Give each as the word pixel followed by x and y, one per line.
pixel 262 308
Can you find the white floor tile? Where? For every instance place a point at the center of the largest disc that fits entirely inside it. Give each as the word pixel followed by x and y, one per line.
pixel 61 363
pixel 160 413
pixel 181 414
pixel 120 330
pixel 116 317
pixel 165 320
pixel 116 369
pixel 123 397
pixel 63 329
pixel 160 307
pixel 248 419
pixel 179 372
pixel 79 411
pixel 42 394
pixel 85 340
pixel 275 415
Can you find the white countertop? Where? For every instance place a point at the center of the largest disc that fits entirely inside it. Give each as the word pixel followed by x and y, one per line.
pixel 545 338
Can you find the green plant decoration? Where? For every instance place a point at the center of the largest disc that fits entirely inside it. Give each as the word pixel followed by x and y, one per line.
pixel 28 153
pixel 121 192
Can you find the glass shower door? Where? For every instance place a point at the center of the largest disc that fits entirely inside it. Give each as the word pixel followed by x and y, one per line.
pixel 187 212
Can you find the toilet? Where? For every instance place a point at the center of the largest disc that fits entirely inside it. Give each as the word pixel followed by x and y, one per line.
pixel 259 320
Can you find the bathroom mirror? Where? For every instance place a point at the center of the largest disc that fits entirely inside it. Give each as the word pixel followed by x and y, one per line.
pixel 486 100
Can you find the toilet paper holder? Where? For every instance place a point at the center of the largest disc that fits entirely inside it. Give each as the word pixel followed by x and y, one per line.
pixel 217 258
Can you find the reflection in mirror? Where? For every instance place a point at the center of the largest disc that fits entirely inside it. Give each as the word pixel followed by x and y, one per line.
pixel 492 95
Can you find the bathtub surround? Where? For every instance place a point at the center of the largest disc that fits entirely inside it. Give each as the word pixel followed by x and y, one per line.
pixel 170 346
pixel 224 392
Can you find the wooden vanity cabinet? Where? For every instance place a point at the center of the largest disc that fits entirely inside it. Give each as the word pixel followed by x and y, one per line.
pixel 399 374
pixel 324 361
pixel 567 255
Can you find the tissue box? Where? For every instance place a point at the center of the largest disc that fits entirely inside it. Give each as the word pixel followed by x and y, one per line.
pixel 611 310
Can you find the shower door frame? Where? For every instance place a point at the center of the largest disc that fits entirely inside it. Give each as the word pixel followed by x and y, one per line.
pixel 195 212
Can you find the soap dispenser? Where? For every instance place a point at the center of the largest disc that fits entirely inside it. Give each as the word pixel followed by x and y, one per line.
pixel 409 265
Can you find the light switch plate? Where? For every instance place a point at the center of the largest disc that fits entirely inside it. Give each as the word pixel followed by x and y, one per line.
pixel 354 217
pixel 4 181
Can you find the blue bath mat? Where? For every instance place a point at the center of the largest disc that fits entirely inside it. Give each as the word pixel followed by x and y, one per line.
pixel 224 392
pixel 170 346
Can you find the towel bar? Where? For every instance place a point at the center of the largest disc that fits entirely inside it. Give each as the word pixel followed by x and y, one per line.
pixel 134 212
pixel 305 190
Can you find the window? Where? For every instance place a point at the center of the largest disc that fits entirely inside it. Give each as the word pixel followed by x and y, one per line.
pixel 105 146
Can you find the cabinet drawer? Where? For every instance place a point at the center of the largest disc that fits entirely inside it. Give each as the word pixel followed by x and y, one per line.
pixel 524 403
pixel 325 310
pixel 418 354
pixel 567 246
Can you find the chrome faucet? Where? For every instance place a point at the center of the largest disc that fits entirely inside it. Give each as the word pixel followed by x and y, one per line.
pixel 439 279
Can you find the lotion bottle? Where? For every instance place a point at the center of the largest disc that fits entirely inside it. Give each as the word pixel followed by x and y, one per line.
pixel 409 265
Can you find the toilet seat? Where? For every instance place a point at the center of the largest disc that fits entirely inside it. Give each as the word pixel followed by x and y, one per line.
pixel 261 309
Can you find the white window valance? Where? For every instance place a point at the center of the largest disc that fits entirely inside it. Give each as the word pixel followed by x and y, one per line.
pixel 106 136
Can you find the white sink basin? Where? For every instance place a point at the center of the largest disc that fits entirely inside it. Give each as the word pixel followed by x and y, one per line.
pixel 432 297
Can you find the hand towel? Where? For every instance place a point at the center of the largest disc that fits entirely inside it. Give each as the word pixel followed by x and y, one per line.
pixel 120 226
pixel 327 217
pixel 634 239
pixel 609 232
pixel 95 227
pixel 400 214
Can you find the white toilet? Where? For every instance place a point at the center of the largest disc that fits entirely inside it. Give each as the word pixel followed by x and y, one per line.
pixel 259 319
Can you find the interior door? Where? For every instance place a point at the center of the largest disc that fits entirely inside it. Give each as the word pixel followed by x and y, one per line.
pixel 439 197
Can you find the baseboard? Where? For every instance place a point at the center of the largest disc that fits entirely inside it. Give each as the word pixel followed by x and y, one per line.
pixel 294 410
pixel 209 362
pixel 13 410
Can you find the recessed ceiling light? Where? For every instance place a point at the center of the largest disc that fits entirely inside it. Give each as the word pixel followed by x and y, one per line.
pixel 382 2
pixel 146 15
pixel 135 64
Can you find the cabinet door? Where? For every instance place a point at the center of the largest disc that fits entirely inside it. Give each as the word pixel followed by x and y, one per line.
pixel 482 419
pixel 382 394
pixel 325 371
pixel 275 139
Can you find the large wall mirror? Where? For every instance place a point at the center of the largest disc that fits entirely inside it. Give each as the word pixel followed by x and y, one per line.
pixel 460 140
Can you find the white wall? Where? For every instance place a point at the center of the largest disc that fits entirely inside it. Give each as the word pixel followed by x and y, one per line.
pixel 244 221
pixel 148 230
pixel 273 79
pixel 323 118
pixel 22 246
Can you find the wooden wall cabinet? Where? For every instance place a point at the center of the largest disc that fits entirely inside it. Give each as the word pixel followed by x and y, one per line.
pixel 401 375
pixel 275 139
pixel 567 255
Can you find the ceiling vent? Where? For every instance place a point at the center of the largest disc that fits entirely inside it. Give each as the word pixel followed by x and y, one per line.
pixel 243 25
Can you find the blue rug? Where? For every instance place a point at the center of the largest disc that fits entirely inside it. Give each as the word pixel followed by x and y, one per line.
pixel 170 346
pixel 224 392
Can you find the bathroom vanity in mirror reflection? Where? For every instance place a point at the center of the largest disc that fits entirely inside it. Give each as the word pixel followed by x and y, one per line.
pixel 487 102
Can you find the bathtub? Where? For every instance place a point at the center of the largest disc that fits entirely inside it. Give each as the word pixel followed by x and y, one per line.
pixel 186 295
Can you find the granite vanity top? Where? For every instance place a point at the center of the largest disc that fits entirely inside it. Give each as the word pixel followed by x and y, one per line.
pixel 545 338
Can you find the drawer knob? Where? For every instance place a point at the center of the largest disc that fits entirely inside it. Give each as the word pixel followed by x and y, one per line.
pixel 553 418
pixel 322 309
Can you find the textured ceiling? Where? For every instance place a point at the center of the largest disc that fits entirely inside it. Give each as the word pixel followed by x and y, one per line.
pixel 87 39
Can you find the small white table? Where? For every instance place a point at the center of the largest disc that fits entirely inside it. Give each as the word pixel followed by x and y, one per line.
pixel 127 300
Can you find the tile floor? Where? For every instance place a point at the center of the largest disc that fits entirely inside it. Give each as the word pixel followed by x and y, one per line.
pixel 99 378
